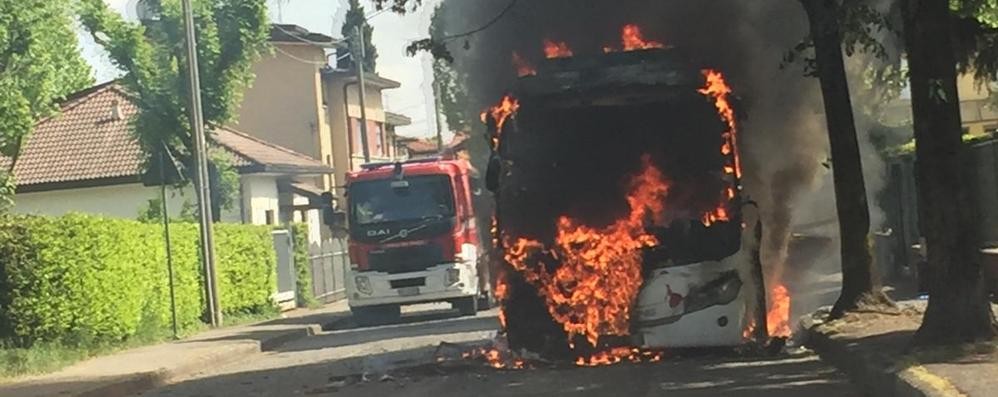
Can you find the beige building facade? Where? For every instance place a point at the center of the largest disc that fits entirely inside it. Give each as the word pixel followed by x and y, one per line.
pixel 301 102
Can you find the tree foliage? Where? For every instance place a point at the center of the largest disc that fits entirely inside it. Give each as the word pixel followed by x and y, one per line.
pixel 398 6
pixel 860 25
pixel 231 36
pixel 39 64
pixel 356 18
pixel 450 83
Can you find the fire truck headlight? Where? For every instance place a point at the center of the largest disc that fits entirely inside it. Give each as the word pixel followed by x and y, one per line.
pixel 453 276
pixel 363 285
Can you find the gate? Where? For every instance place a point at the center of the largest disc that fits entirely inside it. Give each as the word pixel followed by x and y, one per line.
pixel 329 262
pixel 286 276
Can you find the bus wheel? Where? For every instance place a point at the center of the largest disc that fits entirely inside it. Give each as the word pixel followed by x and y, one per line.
pixel 467 306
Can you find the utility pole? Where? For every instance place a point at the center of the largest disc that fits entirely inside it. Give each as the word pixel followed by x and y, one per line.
pixel 201 159
pixel 359 63
pixel 437 94
pixel 165 212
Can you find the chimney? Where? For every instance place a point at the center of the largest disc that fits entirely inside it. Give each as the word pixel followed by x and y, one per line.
pixel 116 111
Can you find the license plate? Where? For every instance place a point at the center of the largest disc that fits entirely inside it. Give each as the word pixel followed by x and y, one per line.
pixel 408 291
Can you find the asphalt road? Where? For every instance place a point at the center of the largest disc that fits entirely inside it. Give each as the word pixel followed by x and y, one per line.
pixel 331 364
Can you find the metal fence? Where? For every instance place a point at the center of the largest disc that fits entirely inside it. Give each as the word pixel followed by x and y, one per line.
pixel 329 262
pixel 900 199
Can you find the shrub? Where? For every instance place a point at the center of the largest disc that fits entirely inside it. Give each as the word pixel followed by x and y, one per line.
pixel 303 266
pixel 83 280
pixel 246 267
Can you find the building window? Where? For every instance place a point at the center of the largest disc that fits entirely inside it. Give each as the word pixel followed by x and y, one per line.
pixel 269 217
pixel 375 138
pixel 378 132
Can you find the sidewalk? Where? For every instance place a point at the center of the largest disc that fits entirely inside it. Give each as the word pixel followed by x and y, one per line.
pixel 141 369
pixel 872 349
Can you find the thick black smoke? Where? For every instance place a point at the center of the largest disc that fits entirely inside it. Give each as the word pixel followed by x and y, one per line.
pixel 783 139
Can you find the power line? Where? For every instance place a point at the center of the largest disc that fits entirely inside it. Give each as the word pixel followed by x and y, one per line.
pixel 485 26
pixel 302 60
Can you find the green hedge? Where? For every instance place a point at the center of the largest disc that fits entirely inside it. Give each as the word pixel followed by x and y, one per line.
pixel 80 279
pixel 303 267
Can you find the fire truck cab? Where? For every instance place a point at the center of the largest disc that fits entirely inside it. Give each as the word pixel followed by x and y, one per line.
pixel 413 238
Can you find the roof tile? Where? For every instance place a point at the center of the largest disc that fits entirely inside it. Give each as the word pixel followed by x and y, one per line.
pixel 85 141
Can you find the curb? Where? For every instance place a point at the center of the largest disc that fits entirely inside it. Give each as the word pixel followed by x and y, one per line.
pixel 145 381
pixel 877 373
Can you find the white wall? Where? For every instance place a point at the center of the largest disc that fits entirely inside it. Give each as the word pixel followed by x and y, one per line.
pixel 312 218
pixel 118 201
pixel 259 196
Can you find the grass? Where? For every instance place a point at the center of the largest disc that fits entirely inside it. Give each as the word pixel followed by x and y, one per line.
pixel 50 357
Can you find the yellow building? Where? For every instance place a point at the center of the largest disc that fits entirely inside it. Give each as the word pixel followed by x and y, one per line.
pixel 343 99
pixel 978 115
pixel 298 101
pixel 976 111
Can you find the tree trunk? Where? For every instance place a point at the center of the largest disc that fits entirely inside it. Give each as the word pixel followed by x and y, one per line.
pixel 859 280
pixel 958 309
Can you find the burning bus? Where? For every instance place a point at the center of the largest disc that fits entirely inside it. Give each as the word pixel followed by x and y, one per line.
pixel 619 208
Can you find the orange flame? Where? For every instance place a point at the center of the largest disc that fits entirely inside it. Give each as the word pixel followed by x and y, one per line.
pixel 718 89
pixel 500 113
pixel 523 68
pixel 634 40
pixel 495 358
pixel 556 49
pixel 617 355
pixel 592 292
pixel 778 317
pixel 501 292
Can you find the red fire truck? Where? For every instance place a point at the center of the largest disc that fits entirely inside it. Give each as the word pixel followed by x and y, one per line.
pixel 413 239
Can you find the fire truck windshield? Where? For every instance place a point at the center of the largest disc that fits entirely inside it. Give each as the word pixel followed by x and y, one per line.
pixel 425 197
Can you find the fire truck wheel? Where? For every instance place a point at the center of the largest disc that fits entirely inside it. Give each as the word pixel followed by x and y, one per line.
pixel 376 315
pixel 467 306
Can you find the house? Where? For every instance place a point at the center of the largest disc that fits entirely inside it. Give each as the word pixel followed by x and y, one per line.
pixel 427 147
pixel 977 113
pixel 300 102
pixel 285 105
pixel 86 159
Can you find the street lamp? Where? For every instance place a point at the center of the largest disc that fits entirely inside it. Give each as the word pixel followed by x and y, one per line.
pixel 147 14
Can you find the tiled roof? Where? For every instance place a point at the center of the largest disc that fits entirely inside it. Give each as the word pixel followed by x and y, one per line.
pixel 84 142
pixel 287 33
pixel 397 119
pixel 253 153
pixel 88 140
pixel 429 146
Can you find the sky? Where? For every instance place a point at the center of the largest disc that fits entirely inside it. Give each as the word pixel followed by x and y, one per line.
pixel 391 35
